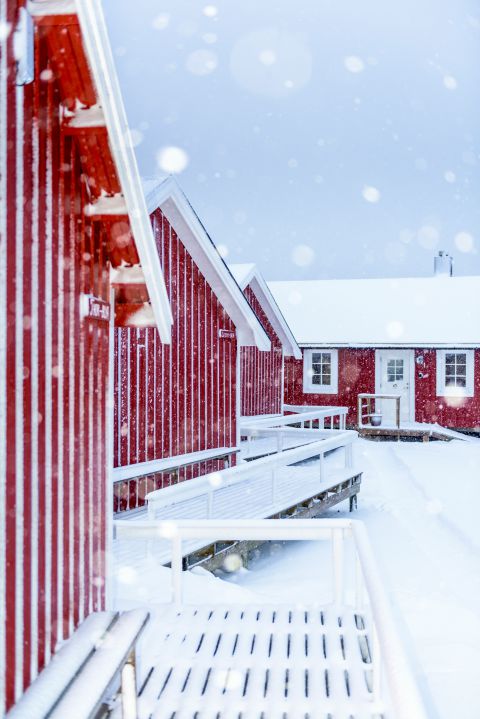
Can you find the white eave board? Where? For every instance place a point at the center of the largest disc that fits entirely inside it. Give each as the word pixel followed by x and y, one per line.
pixel 98 51
pixel 167 195
pixel 249 274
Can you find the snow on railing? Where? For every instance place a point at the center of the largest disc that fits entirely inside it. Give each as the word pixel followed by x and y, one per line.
pixel 303 416
pixel 355 582
pixel 269 489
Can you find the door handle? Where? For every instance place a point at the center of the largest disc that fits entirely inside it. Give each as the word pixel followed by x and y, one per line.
pixel 394 385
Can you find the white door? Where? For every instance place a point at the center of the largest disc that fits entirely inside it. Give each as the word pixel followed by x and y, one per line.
pixel 393 376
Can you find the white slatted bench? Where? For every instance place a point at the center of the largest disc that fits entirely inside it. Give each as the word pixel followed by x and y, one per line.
pixel 337 656
pixel 86 673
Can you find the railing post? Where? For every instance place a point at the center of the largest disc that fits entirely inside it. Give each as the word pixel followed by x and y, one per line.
pixel 359 585
pixel 321 458
pixel 129 688
pixel 337 561
pixel 348 455
pixel 177 568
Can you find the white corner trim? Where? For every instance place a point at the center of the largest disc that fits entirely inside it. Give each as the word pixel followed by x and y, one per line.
pixel 98 51
pixel 442 390
pixel 308 387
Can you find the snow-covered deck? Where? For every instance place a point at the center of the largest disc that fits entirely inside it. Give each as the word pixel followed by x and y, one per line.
pixel 416 429
pixel 324 657
pixel 262 488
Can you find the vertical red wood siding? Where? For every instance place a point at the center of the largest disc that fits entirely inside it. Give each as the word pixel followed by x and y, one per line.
pixel 261 372
pixel 463 414
pixel 53 379
pixel 356 373
pixel 177 399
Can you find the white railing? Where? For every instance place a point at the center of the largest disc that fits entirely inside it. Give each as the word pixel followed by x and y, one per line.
pixel 264 496
pixel 354 581
pixel 282 438
pixel 306 417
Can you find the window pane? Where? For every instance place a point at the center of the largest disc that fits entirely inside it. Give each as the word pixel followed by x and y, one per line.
pixel 461 357
pixel 317 368
pixel 391 376
pixel 316 379
pixel 326 357
pixel 316 356
pixel 450 382
pixel 326 378
pixel 462 369
pixel 461 382
pixel 449 371
pixel 450 359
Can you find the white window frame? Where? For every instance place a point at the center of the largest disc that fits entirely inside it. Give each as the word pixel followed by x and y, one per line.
pixel 308 386
pixel 442 389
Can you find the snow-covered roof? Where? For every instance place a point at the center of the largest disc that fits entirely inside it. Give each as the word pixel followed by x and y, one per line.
pixel 249 274
pixel 408 312
pixel 166 194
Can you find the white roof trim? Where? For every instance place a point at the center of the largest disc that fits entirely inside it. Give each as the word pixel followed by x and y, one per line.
pixel 98 51
pixel 253 277
pixel 168 196
pixel 390 345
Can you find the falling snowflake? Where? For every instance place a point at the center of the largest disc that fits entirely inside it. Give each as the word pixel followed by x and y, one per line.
pixel 354 64
pixel 371 194
pixel 464 242
pixel 172 159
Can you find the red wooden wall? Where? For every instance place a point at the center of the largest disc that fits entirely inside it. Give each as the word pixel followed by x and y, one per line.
pixel 261 372
pixel 53 381
pixel 356 373
pixel 450 412
pixel 177 399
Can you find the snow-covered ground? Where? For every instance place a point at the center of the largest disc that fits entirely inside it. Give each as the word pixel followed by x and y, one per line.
pixel 420 505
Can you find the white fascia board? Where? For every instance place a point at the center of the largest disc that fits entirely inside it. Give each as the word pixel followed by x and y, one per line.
pixel 172 201
pixel 99 54
pixel 274 314
pixel 391 345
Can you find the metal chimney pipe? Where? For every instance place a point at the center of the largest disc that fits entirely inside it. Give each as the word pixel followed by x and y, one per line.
pixel 443 264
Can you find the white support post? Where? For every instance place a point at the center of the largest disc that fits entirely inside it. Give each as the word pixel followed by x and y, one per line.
pixel 177 569
pixel 337 560
pixel 348 456
pixel 321 458
pixel 129 688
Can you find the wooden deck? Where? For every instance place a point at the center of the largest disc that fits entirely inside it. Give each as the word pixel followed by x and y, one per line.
pixel 267 662
pixel 415 430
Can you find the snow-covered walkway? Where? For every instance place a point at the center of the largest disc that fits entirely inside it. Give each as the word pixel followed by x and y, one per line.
pixel 420 503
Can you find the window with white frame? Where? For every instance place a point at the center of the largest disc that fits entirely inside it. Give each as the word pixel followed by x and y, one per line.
pixel 455 373
pixel 320 371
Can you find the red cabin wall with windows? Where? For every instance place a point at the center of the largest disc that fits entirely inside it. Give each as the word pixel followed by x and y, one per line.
pixel 177 399
pixel 463 414
pixel 53 380
pixel 261 372
pixel 356 374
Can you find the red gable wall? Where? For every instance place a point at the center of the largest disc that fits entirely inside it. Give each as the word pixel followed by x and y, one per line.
pixel 177 399
pixel 261 372
pixel 53 381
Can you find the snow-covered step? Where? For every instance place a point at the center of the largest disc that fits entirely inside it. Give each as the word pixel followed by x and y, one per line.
pixel 260 661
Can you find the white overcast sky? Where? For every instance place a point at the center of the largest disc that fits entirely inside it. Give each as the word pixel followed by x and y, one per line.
pixel 324 138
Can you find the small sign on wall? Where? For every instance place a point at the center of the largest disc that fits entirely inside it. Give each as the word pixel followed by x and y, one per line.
pixel 226 334
pixel 94 308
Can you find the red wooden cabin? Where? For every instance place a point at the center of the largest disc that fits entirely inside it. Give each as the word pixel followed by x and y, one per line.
pixel 416 337
pixel 176 407
pixel 75 210
pixel 262 373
